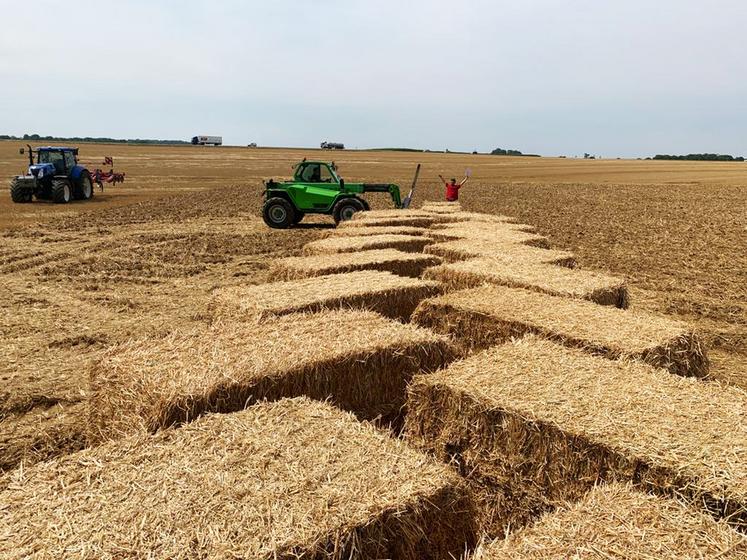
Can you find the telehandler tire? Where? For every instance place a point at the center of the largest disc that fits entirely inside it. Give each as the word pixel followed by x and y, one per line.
pixel 299 217
pixel 278 213
pixel 344 210
pixel 61 192
pixel 18 193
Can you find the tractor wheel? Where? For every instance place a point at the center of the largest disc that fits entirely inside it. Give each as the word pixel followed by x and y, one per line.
pixel 298 218
pixel 61 191
pixel 345 209
pixel 18 193
pixel 84 187
pixel 278 213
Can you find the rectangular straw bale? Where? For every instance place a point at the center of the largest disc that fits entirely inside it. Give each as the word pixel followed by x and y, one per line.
pixel 359 359
pixel 498 232
pixel 351 244
pixel 474 217
pixel 535 424
pixel 440 205
pixel 282 480
pixel 463 249
pixel 481 317
pixel 384 292
pixel 398 262
pixel 422 221
pixel 380 230
pixel 539 277
pixel 399 213
pixel 616 521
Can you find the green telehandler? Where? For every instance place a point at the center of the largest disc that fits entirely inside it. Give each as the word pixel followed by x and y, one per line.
pixel 316 188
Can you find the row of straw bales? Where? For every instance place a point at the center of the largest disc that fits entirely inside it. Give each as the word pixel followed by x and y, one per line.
pixel 533 424
pixel 283 480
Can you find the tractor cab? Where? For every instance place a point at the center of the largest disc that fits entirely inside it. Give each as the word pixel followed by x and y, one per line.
pixel 314 172
pixel 51 161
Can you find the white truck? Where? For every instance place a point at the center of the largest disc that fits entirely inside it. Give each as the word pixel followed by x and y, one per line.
pixel 207 140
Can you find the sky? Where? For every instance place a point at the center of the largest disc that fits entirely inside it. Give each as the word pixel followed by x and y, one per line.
pixel 614 78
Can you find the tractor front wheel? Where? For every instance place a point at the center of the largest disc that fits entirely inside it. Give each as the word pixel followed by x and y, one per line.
pixel 345 209
pixel 61 192
pixel 18 193
pixel 278 213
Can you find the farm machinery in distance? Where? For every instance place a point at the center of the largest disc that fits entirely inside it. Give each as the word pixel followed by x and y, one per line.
pixel 57 175
pixel 316 188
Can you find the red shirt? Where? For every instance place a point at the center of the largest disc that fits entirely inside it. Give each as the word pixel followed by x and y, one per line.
pixel 452 192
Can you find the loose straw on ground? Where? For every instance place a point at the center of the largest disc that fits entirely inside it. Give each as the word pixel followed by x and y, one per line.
pixel 489 315
pixel 398 262
pixel 360 360
pixel 352 244
pixel 384 292
pixel 616 521
pixel 533 424
pixel 282 480
pixel 546 278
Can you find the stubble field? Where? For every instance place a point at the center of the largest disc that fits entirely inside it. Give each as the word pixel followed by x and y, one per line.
pixel 144 258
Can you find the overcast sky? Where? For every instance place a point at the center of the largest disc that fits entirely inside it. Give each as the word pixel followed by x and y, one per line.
pixel 616 78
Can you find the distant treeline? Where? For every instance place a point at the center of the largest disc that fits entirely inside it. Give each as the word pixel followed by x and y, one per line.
pixel 502 152
pixel 699 157
pixel 38 138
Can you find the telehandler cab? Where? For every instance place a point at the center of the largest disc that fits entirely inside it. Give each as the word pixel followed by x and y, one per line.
pixel 316 188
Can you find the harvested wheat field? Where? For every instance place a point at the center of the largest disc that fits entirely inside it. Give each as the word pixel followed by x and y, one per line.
pixel 386 293
pixel 464 249
pixel 359 360
pixel 616 521
pixel 488 315
pixel 392 260
pixel 546 278
pixel 279 480
pixel 353 244
pixel 533 424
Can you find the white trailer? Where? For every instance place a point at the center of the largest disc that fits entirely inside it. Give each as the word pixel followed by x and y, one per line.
pixel 207 140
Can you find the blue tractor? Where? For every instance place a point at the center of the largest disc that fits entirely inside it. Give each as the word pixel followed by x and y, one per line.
pixel 55 176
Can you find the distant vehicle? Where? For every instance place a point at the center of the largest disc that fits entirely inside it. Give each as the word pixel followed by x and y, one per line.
pixel 207 140
pixel 332 146
pixel 252 145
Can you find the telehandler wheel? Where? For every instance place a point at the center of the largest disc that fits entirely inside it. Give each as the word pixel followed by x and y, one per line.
pixel 84 187
pixel 18 193
pixel 299 217
pixel 278 213
pixel 345 209
pixel 61 192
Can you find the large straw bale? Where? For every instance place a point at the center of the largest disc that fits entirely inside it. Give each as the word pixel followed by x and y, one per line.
pixel 351 244
pixel 384 292
pixel 283 480
pixel 497 232
pixel 381 230
pixel 400 213
pixel 471 217
pixel 416 220
pixel 488 315
pixel 616 521
pixel 534 424
pixel 441 209
pixel 359 359
pixel 463 249
pixel 546 278
pixel 398 262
